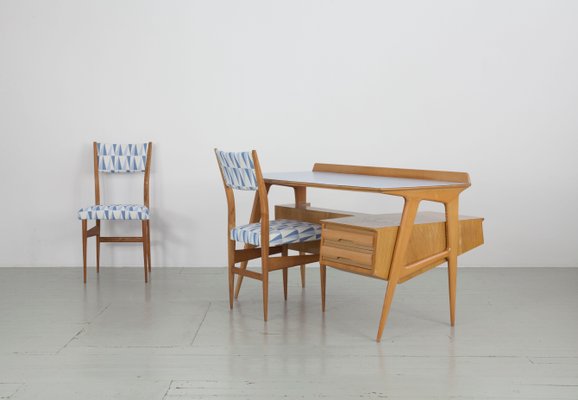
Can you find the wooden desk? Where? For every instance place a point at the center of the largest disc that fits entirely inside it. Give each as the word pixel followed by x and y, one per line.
pixel 414 186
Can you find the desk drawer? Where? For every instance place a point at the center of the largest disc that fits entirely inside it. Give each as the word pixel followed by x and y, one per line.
pixel 359 258
pixel 348 238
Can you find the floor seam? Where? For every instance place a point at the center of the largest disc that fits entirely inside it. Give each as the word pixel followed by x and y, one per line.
pixel 168 390
pixel 80 332
pixel 201 324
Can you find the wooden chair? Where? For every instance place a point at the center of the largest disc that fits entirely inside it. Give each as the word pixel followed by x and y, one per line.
pixel 241 171
pixel 118 158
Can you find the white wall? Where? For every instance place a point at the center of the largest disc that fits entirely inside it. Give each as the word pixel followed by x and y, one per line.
pixel 488 87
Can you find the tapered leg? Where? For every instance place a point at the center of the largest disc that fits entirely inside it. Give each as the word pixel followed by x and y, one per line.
pixel 452 232
pixel 401 243
pixel 231 257
pixel 323 273
pixel 386 306
pixel 265 293
pixel 285 273
pixel 285 276
pixel 149 246
pixel 144 251
pixel 97 247
pixel 301 201
pixel 84 240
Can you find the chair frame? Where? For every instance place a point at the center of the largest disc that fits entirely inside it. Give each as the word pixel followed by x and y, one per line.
pixel 268 264
pixel 145 238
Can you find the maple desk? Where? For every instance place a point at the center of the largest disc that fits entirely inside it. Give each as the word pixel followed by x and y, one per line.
pixel 413 186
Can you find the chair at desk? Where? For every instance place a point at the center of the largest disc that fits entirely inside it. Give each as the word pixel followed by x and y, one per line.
pixel 241 171
pixel 118 158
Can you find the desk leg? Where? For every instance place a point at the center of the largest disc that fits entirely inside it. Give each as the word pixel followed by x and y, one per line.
pixel 255 217
pixel 301 200
pixel 452 240
pixel 399 253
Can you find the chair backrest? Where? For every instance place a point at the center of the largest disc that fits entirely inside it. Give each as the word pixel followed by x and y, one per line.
pixel 238 169
pixel 119 158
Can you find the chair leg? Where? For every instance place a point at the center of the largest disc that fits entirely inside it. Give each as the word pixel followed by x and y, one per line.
pixel 285 273
pixel 285 276
pixel 231 257
pixel 144 251
pixel 97 247
pixel 149 246
pixel 231 286
pixel 84 240
pixel 323 273
pixel 265 291
pixel 302 272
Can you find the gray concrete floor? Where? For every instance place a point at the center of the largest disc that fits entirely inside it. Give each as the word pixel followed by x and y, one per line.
pixel 117 338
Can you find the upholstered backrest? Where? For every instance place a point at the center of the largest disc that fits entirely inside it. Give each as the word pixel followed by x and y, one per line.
pixel 238 170
pixel 117 158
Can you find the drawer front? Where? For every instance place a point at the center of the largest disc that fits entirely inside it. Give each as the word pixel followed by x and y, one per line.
pixel 358 258
pixel 348 238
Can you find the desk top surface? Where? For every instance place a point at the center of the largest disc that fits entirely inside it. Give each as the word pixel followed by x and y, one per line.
pixel 334 180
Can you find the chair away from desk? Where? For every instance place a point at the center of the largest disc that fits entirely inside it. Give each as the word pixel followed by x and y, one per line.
pixel 118 158
pixel 241 171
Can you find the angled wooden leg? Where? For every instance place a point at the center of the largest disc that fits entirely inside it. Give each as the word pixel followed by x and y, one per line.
pixel 452 240
pixel 149 246
pixel 391 284
pixel 84 240
pixel 323 273
pixel 144 251
pixel 231 264
pixel 398 259
pixel 255 217
pixel 285 273
pixel 285 276
pixel 300 201
pixel 97 246
pixel 265 290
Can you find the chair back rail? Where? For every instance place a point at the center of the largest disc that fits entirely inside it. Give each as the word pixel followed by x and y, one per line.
pixel 122 158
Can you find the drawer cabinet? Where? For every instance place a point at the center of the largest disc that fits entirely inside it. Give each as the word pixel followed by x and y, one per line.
pixel 364 244
pixel 349 248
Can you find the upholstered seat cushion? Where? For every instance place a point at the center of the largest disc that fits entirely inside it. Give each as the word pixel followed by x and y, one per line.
pixel 124 212
pixel 282 231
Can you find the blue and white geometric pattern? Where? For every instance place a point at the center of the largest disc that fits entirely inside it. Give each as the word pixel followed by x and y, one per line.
pixel 281 231
pixel 117 158
pixel 125 212
pixel 238 170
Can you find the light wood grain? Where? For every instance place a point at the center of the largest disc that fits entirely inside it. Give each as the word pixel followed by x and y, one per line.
pixel 400 250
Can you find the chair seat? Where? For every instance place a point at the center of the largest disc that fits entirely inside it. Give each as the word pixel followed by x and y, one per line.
pixel 122 212
pixel 282 231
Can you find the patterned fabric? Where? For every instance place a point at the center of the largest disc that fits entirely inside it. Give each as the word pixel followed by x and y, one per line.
pixel 124 212
pixel 281 231
pixel 238 170
pixel 117 158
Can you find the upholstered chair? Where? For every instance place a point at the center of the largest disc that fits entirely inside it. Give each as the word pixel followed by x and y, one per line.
pixel 241 171
pixel 116 159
